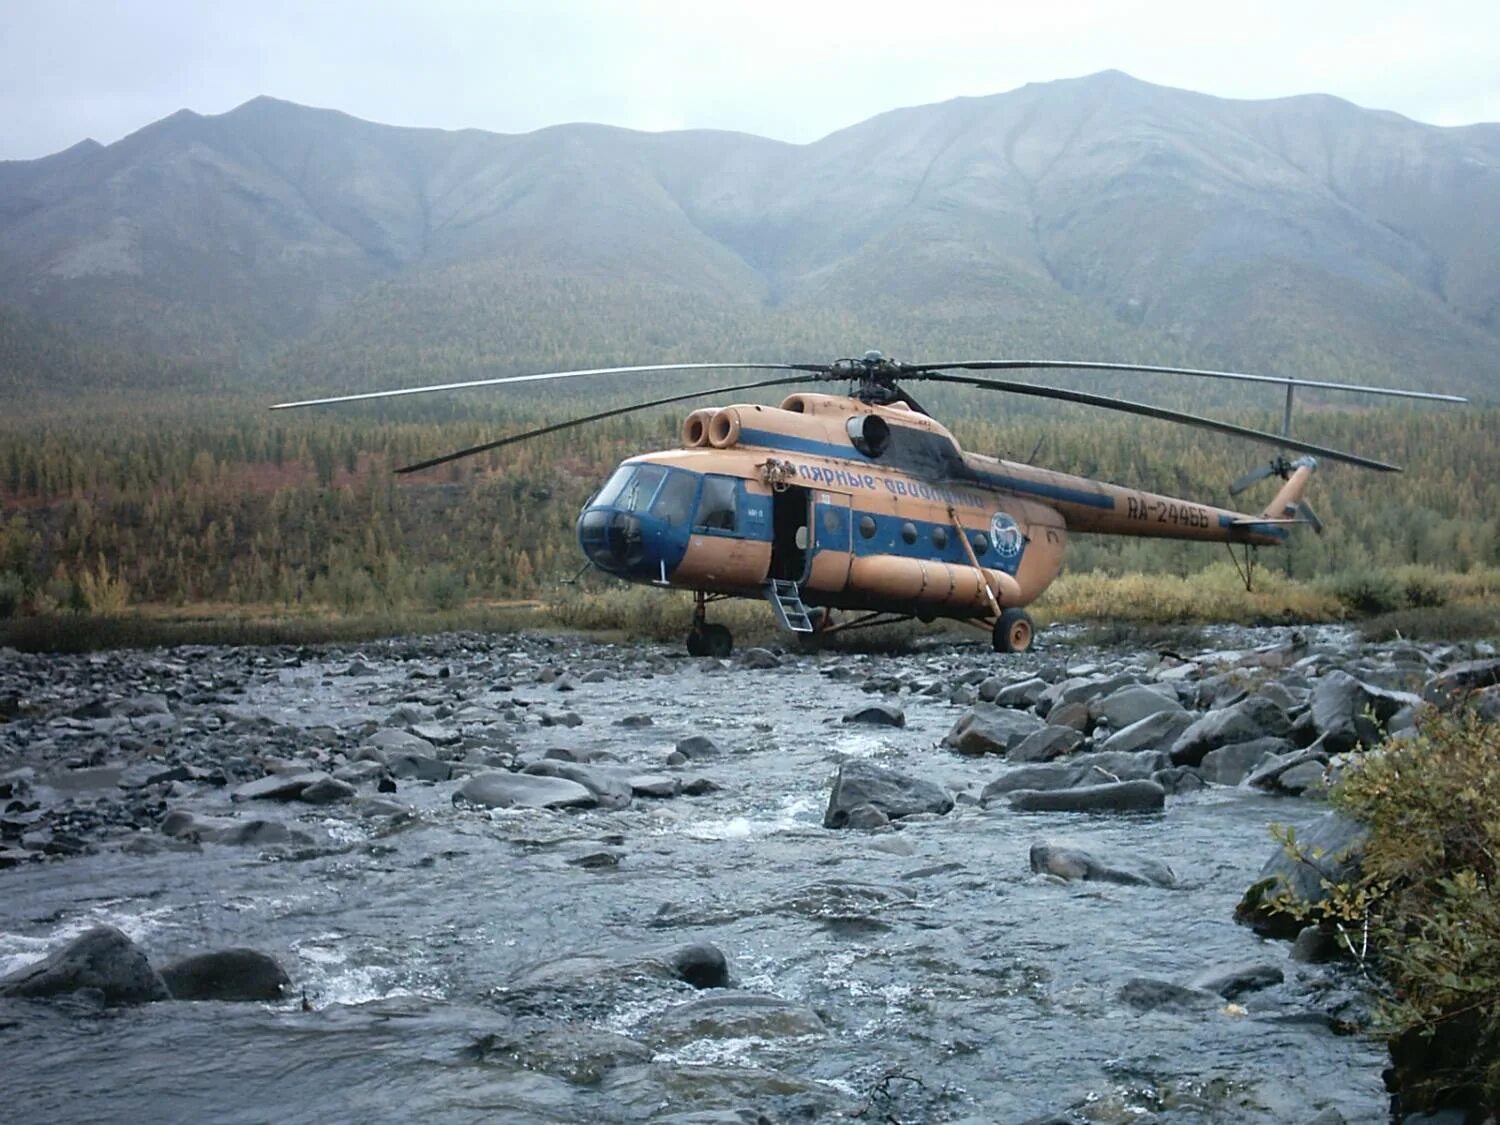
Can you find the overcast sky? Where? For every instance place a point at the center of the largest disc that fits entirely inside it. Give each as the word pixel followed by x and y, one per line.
pixel 795 71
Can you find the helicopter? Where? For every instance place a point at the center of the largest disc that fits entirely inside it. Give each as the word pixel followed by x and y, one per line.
pixel 863 503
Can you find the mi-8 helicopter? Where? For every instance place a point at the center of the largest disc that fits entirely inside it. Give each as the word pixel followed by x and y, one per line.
pixel 864 503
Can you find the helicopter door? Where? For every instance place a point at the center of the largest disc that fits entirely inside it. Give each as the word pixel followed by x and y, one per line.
pixel 790 533
pixel 832 549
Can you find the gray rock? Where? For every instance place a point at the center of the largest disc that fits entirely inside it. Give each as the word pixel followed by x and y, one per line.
pixel 1347 713
pixel 393 739
pixel 407 765
pixel 987 729
pixel 1230 765
pixel 1081 689
pixel 507 790
pixel 877 714
pixel 1112 797
pixel 1072 864
pixel 1251 718
pixel 1305 778
pixel 437 734
pixel 1268 774
pixel 1046 744
pixel 1331 850
pixel 277 786
pixel 611 788
pixel 655 785
pixel 1154 732
pixel 326 791
pixel 227 974
pixel 232 831
pixel 1452 684
pixel 865 818
pixel 102 958
pixel 1023 694
pixel 1147 995
pixel 1074 714
pixel 1133 703
pixel 896 795
pixel 735 1015
pixel 697 748
pixel 1230 981
pixel 1314 945
pixel 759 658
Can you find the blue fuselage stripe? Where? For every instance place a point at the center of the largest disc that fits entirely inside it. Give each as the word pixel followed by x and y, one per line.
pixel 786 443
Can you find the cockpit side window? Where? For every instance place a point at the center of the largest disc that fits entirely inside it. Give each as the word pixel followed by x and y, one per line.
pixel 637 494
pixel 716 511
pixel 674 502
pixel 605 498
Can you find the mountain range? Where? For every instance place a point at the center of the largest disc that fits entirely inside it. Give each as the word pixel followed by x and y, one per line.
pixel 1100 217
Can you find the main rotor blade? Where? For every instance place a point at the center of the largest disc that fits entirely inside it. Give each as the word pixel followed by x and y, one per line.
pixel 552 429
pixel 1128 407
pixel 1081 365
pixel 815 368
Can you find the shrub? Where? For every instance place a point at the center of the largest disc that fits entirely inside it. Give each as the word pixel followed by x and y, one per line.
pixel 1425 908
pixel 12 594
pixel 1366 591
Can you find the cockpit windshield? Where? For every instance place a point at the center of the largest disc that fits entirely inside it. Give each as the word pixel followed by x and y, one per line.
pixel 631 488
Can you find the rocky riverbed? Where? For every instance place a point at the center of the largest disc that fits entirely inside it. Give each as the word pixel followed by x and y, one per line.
pixel 540 878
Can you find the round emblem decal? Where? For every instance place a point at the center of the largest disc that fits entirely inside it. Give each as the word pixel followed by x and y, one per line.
pixel 1006 536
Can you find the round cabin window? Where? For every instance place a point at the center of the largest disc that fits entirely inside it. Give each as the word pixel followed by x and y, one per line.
pixel 867 526
pixel 908 533
pixel 981 542
pixel 940 537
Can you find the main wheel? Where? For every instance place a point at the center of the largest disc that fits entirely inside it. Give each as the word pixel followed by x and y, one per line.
pixel 718 640
pixel 1014 631
pixel 697 643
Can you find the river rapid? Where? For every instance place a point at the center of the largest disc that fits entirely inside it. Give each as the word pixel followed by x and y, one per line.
pixel 453 962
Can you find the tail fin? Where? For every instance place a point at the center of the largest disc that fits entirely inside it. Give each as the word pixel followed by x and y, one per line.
pixel 1288 503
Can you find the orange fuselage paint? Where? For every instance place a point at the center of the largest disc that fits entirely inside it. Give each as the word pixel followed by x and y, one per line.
pixel 877 497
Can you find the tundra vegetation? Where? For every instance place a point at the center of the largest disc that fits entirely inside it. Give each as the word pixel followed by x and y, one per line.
pixel 1422 915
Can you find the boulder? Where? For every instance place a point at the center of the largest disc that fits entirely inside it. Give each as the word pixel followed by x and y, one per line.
pixel 326 791
pixel 103 959
pixel 611 788
pixel 1023 693
pixel 735 1015
pixel 1112 797
pixel 1331 850
pixel 226 974
pixel 655 785
pixel 1048 743
pixel 1072 864
pixel 519 790
pixel 758 658
pixel 277 786
pixel 1147 995
pixel 895 794
pixel 1267 775
pixel 408 765
pixel 694 748
pixel 1230 981
pixel 877 715
pixel 395 740
pixel 1347 713
pixel 1074 714
pixel 233 831
pixel 1251 718
pixel 1154 732
pixel 987 729
pixel 1230 765
pixel 1452 684
pixel 1133 703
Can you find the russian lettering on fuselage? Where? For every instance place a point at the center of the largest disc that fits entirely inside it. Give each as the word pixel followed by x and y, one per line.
pixel 896 486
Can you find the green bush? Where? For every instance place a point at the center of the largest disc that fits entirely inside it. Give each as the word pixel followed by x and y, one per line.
pixel 1424 911
pixel 1366 591
pixel 12 594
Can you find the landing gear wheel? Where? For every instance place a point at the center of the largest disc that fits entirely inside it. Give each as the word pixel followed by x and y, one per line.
pixel 1014 631
pixel 718 640
pixel 697 643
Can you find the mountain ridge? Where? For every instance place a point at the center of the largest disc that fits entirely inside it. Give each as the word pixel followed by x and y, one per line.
pixel 1300 231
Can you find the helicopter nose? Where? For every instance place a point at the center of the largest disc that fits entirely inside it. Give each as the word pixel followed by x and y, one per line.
pixel 613 540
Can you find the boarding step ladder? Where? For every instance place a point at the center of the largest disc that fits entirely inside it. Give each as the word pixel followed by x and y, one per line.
pixel 786 600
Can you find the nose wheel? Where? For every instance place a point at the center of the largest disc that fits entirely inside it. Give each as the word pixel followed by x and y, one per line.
pixel 1014 631
pixel 704 639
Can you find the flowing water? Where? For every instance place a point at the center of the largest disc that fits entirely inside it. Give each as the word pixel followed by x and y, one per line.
pixel 950 982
